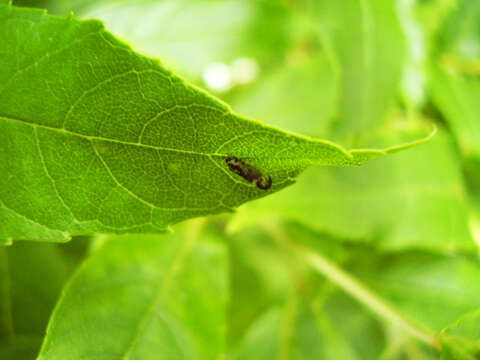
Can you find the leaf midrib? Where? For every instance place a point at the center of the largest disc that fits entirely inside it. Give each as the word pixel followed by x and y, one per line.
pixel 100 138
pixel 117 182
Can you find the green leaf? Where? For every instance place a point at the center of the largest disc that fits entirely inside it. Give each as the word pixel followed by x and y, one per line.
pixel 281 309
pixel 431 290
pixel 301 331
pixel 457 97
pixel 369 44
pixel 284 97
pixel 461 341
pixel 453 74
pixel 415 293
pixel 407 298
pixel 144 297
pixel 106 140
pixel 177 30
pixel 338 328
pixel 432 15
pixel 414 199
pixel 31 278
pixel 214 31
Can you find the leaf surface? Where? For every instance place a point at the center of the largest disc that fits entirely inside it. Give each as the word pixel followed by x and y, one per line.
pixel 367 40
pixel 97 138
pixel 415 199
pixel 143 297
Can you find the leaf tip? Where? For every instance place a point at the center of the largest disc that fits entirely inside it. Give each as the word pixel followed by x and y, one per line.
pixel 420 141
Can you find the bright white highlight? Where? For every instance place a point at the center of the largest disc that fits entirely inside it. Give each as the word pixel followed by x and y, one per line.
pixel 217 77
pixel 222 77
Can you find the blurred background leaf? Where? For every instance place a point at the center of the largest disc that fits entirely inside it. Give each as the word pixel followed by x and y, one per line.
pixel 454 75
pixel 461 339
pixel 365 73
pixel 141 296
pixel 369 45
pixel 31 278
pixel 298 314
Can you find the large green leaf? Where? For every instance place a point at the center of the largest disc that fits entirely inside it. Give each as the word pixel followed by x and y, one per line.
pixel 31 278
pixel 174 30
pixel 96 138
pixel 300 97
pixel 369 44
pixel 144 297
pixel 414 199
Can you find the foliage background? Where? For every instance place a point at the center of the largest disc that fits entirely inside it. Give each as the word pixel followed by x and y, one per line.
pixel 406 227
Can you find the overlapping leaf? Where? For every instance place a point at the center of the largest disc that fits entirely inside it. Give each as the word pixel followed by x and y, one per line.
pixel 144 297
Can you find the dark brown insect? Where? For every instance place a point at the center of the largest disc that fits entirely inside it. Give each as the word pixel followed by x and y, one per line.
pixel 249 173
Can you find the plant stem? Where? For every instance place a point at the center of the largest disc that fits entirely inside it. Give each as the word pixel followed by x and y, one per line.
pixel 357 290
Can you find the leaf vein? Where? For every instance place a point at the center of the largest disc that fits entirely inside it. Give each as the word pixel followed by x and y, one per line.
pixel 52 180
pixel 44 56
pixel 147 203
pixel 2 203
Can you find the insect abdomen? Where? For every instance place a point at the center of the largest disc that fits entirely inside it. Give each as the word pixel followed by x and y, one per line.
pixel 248 172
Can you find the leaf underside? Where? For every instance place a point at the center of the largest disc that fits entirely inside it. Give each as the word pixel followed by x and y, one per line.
pixel 97 138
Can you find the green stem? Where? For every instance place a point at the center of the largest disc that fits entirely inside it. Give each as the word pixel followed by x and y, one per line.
pixel 357 290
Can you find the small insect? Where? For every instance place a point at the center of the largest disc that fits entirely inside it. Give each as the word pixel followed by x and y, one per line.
pixel 249 173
